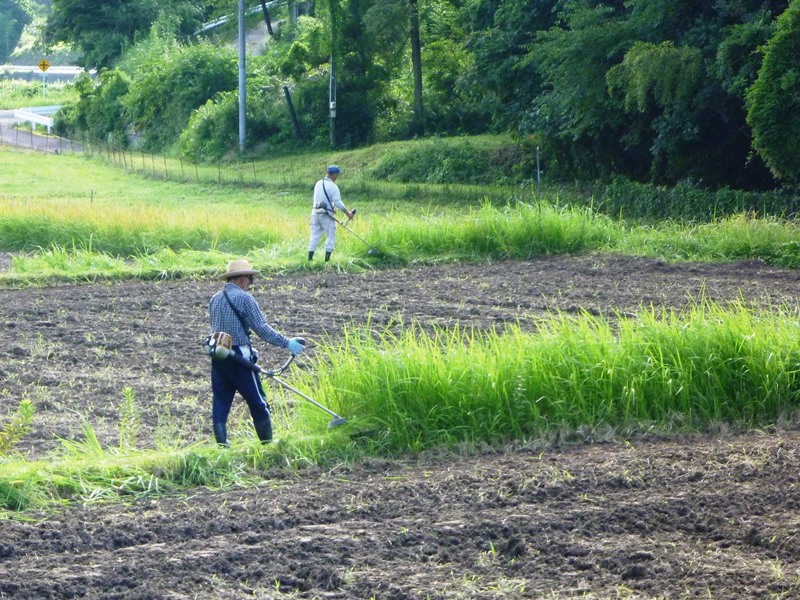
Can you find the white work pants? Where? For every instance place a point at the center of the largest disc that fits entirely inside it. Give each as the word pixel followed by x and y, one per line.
pixel 322 223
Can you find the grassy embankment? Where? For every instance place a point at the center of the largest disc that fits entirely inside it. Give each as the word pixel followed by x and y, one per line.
pixel 576 378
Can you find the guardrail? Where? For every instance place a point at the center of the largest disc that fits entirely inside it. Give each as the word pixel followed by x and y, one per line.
pixel 38 115
pixel 224 19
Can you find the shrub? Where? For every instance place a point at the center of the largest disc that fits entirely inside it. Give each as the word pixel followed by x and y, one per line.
pixel 630 199
pixel 458 160
pixel 213 129
pixel 98 114
pixel 166 89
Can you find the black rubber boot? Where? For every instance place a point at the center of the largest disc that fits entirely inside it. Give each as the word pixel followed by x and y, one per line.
pixel 310 255
pixel 221 434
pixel 327 256
pixel 264 431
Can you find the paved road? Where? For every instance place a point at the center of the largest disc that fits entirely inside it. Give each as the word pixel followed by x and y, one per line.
pixel 23 138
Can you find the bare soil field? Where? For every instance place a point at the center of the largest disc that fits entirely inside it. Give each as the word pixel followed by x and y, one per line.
pixel 712 516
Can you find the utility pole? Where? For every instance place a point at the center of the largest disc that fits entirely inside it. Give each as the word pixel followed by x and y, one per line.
pixel 332 5
pixel 332 104
pixel 416 66
pixel 242 81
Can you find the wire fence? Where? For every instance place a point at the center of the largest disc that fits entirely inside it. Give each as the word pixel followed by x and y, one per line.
pixel 240 173
pixel 296 174
pixel 34 139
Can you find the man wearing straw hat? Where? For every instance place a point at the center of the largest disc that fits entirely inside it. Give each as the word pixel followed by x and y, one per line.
pixel 234 311
pixel 327 200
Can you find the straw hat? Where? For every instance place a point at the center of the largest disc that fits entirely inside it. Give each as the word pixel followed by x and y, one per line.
pixel 237 268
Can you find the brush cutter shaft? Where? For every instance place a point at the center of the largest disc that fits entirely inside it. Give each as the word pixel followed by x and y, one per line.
pixel 344 224
pixel 272 375
pixel 302 395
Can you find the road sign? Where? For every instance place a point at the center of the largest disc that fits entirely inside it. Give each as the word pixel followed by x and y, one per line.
pixel 44 65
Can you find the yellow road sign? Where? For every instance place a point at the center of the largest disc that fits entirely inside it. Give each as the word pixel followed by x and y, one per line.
pixel 44 65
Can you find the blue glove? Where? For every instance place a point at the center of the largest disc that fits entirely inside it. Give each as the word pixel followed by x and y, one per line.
pixel 296 345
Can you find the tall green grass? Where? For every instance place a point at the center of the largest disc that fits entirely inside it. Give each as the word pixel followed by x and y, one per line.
pixel 124 230
pixel 773 240
pixel 662 371
pixel 74 217
pixel 78 240
pixel 515 231
pixel 408 390
pixel 18 93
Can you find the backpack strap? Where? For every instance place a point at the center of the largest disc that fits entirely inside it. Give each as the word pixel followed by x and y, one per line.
pixel 332 208
pixel 237 313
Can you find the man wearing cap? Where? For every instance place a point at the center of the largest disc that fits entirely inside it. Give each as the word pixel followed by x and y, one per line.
pixel 327 200
pixel 234 310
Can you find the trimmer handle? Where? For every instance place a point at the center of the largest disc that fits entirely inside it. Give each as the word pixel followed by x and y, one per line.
pixel 254 367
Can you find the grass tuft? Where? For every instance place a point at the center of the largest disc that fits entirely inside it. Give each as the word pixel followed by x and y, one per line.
pixel 416 389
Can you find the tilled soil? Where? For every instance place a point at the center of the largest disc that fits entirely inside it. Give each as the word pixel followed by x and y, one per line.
pixel 706 516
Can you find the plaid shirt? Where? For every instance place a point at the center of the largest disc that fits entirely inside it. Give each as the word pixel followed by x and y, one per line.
pixel 224 319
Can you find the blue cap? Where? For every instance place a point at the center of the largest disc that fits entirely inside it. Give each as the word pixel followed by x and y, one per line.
pixel 333 169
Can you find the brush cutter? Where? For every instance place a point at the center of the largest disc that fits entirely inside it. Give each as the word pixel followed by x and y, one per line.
pixel 372 249
pixel 218 350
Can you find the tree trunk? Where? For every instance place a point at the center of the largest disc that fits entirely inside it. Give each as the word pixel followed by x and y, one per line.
pixel 416 66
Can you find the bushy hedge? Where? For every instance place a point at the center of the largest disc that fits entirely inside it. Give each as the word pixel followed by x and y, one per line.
pixel 162 98
pixel 628 199
pixel 459 160
pixel 213 129
pixel 99 112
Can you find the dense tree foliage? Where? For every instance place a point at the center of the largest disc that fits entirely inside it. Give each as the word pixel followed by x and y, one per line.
pixel 175 81
pixel 664 91
pixel 102 30
pixel 14 15
pixel 99 114
pixel 774 99
pixel 651 89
